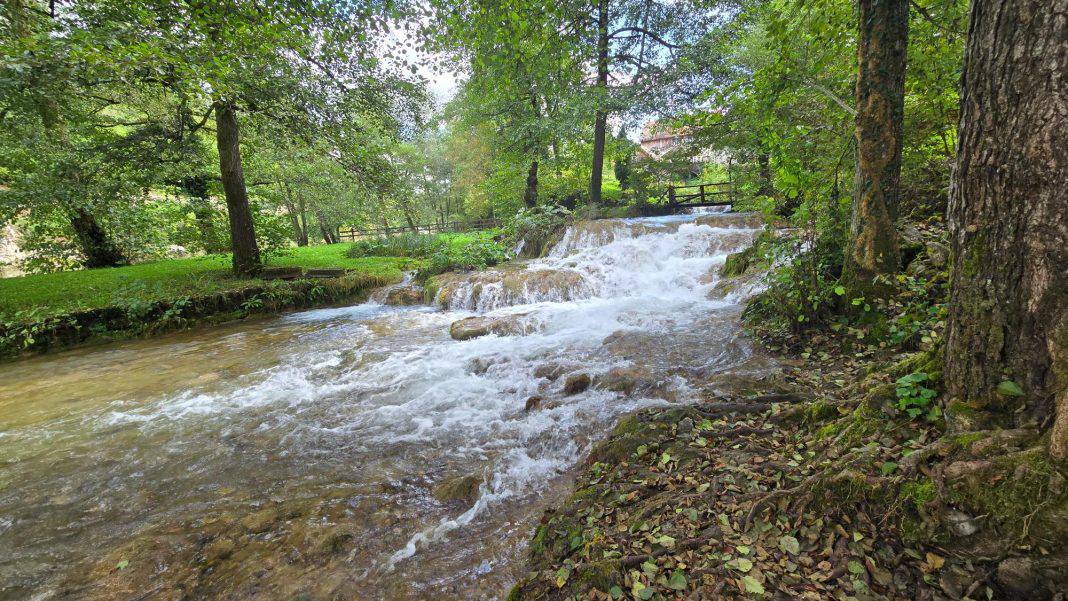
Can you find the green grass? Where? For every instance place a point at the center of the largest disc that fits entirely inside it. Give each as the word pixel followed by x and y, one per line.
pixel 56 293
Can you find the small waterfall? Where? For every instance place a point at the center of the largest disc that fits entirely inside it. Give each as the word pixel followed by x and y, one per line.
pixel 350 419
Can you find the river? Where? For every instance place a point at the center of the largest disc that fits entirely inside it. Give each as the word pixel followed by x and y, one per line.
pixel 298 456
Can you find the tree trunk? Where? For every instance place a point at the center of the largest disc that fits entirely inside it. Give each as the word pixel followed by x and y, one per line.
pixel 530 196
pixel 93 241
pixel 242 230
pixel 303 217
pixel 299 233
pixel 880 95
pixel 1008 220
pixel 324 228
pixel 600 123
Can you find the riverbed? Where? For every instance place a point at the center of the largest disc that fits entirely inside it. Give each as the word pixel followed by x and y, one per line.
pixel 306 454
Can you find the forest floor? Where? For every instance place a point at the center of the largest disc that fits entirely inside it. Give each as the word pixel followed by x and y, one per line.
pixel 822 487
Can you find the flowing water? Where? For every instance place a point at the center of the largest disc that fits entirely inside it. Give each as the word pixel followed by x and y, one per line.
pixel 299 456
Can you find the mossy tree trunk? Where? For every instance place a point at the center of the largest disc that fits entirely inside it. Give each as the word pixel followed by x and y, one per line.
pixel 93 240
pixel 880 96
pixel 1008 219
pixel 242 230
pixel 600 120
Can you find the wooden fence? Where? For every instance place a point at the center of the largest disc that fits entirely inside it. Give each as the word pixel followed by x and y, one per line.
pixel 353 234
pixel 701 195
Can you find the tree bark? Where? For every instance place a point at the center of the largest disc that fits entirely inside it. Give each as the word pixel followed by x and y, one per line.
pixel 246 251
pixel 299 233
pixel 600 122
pixel 324 228
pixel 530 195
pixel 880 96
pixel 1008 220
pixel 764 173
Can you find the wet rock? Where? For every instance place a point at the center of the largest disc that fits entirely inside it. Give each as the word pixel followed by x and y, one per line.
pixel 481 325
pixel 463 489
pixel 260 521
pixel 218 550
pixel 960 523
pixel 577 383
pixel 532 403
pixel 404 296
pixel 552 370
pixel 623 380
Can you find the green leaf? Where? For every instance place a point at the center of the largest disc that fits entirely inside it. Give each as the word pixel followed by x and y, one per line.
pixel 752 585
pixel 677 581
pixel 666 541
pixel 616 592
pixel 855 567
pixel 1010 388
pixel 789 545
pixel 561 577
pixel 122 564
pixel 840 290
pixel 741 564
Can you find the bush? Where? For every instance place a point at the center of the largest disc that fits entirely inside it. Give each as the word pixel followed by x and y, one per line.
pixel 419 246
pixel 535 226
pixel 477 254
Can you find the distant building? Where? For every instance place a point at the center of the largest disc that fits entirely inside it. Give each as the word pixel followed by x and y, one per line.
pixel 657 139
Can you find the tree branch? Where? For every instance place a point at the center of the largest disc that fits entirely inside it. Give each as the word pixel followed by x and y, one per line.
pixel 645 31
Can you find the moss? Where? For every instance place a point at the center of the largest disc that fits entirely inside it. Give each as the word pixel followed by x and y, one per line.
pixel 517 591
pixel 598 575
pixel 966 440
pixel 537 544
pixel 1020 493
pixel 918 492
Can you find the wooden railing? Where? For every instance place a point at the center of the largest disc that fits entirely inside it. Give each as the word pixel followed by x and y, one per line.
pixel 353 234
pixel 702 195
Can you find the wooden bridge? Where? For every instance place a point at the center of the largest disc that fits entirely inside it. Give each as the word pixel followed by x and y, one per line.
pixel 353 234
pixel 713 194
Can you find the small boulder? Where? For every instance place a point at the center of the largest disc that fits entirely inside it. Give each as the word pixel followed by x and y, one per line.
pixel 218 550
pixel 685 426
pixel 404 296
pixel 577 383
pixel 623 379
pixel 463 489
pixel 937 254
pixel 1018 575
pixel 960 523
pixel 481 325
pixel 532 403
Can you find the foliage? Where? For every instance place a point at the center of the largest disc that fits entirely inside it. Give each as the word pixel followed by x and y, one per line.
pixel 401 245
pixel 915 398
pixel 475 254
pixel 533 227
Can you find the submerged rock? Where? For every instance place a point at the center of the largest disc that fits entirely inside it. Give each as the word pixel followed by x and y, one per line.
pixel 481 325
pixel 532 403
pixel 404 296
pixel 624 380
pixel 577 383
pixel 463 489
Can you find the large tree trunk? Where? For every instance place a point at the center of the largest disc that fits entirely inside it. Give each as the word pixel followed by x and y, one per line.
pixel 1008 219
pixel 600 122
pixel 93 241
pixel 880 96
pixel 530 195
pixel 242 230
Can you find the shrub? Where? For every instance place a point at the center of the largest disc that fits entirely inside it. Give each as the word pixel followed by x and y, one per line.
pixel 476 254
pixel 402 245
pixel 535 227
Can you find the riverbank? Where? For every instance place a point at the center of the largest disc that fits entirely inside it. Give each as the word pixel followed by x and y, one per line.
pixel 48 312
pixel 847 485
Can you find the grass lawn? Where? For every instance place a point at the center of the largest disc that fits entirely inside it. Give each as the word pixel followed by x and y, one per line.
pixel 55 293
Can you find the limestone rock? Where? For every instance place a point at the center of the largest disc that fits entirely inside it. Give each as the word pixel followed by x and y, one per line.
pixel 463 489
pixel 404 296
pixel 481 325
pixel 577 383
